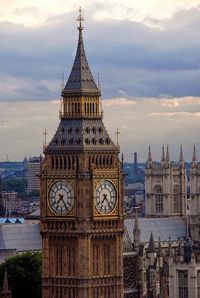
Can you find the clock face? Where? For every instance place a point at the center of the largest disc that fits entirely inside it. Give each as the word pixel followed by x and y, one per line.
pixel 61 197
pixel 106 197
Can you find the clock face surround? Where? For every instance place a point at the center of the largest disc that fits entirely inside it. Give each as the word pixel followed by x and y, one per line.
pixel 61 197
pixel 105 197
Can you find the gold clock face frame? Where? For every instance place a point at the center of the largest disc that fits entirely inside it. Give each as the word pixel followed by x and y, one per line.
pixel 105 197
pixel 61 198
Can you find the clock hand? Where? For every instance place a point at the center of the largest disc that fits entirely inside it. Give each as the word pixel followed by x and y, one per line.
pixel 64 204
pixel 104 198
pixel 61 198
pixel 109 203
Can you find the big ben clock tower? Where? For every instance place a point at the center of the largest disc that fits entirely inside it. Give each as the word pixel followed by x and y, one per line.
pixel 82 196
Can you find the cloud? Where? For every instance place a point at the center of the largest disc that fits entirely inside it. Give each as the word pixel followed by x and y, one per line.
pixel 175 114
pixel 133 60
pixel 144 122
pixel 149 77
pixel 119 102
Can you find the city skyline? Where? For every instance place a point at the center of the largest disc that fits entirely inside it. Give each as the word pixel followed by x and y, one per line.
pixel 149 65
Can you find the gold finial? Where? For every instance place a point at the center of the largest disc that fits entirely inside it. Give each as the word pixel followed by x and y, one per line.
pixel 80 19
pixel 45 136
pixel 117 134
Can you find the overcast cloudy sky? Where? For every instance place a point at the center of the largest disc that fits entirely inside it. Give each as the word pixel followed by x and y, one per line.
pixel 148 57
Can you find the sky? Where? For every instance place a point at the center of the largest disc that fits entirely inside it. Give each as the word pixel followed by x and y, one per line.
pixel 147 56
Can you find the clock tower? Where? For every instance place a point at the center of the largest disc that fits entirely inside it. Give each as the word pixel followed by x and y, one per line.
pixel 81 179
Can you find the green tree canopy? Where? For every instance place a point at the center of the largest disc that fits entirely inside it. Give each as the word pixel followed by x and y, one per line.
pixel 24 275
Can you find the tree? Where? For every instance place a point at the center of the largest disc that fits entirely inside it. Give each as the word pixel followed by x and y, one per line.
pixel 24 274
pixel 18 185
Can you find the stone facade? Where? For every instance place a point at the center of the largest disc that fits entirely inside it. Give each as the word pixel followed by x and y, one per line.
pixel 165 187
pixel 82 215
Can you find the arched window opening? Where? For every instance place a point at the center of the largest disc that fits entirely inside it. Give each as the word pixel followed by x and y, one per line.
pixel 183 284
pixel 158 199
pixel 176 200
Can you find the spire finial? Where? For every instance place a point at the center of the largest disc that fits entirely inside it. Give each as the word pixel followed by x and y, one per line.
pixel 194 157
pixel 163 154
pixel 160 253
pixel 181 159
pixel 151 246
pixel 45 133
pixel 117 134
pixel 167 154
pixel 80 19
pixel 149 155
pixel 170 250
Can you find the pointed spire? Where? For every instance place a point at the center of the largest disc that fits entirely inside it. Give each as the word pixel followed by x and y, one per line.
pixel 179 255
pixel 169 251
pixel 194 157
pixel 179 252
pixel 5 292
pixel 80 80
pixel 149 161
pixel 181 159
pixel 167 155
pixel 163 154
pixel 160 252
pixel 151 247
pixel 149 155
pixel 136 232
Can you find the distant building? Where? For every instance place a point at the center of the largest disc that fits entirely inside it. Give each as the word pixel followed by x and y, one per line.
pixel 165 186
pixel 11 202
pixel 135 165
pixel 33 170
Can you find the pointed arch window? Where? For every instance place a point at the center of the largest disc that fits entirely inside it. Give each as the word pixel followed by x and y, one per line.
pixel 182 284
pixel 176 200
pixel 158 199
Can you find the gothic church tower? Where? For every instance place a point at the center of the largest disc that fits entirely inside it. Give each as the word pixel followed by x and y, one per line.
pixel 195 198
pixel 81 178
pixel 165 186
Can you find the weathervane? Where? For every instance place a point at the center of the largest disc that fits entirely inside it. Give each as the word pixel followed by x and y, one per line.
pixel 80 19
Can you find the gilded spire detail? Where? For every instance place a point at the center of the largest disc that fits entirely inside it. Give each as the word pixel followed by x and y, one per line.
pixel 80 19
